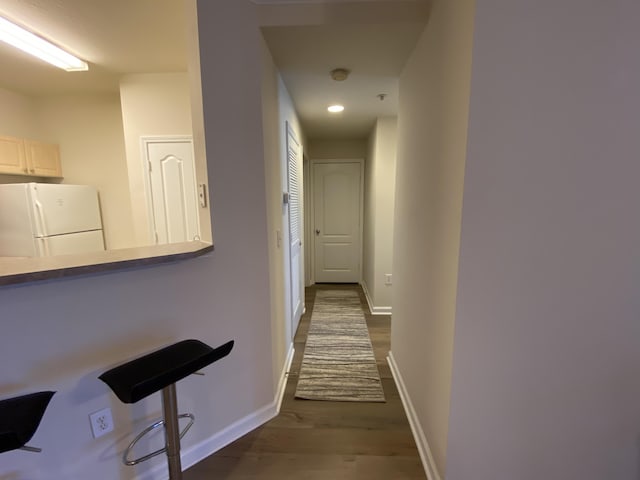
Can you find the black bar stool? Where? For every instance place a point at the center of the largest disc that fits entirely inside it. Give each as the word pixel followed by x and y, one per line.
pixel 160 370
pixel 20 418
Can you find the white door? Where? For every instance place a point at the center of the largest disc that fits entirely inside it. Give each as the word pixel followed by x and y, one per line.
pixel 173 191
pixel 337 222
pixel 294 181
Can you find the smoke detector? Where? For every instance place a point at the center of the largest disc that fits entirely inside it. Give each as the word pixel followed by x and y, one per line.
pixel 340 74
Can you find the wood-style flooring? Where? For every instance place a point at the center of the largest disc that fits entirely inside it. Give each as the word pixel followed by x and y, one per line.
pixel 325 440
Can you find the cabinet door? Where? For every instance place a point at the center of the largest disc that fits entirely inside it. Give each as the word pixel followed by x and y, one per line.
pixel 12 156
pixel 43 159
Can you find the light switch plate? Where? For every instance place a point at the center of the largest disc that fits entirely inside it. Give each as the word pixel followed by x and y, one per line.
pixel 202 195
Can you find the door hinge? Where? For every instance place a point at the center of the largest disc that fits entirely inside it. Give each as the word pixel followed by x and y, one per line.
pixel 150 166
pixel 156 234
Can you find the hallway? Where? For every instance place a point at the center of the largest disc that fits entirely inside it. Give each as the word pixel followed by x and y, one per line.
pixel 325 440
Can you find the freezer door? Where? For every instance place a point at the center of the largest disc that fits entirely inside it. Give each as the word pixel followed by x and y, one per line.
pixel 71 243
pixel 62 209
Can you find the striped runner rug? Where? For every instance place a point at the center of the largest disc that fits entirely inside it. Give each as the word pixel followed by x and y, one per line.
pixel 338 362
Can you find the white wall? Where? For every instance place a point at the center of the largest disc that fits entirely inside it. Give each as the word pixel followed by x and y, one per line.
pixel 432 125
pixel 88 129
pixel 379 201
pixel 61 334
pixel 152 104
pixel 547 341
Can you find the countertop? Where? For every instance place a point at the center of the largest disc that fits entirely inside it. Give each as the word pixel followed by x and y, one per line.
pixel 14 270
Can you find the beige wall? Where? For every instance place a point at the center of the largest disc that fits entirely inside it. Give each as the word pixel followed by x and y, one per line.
pixel 18 115
pixel 152 104
pixel 379 201
pixel 18 119
pixel 547 342
pixel 61 334
pixel 88 129
pixel 331 149
pixel 271 135
pixel 278 110
pixel 197 115
pixel 432 129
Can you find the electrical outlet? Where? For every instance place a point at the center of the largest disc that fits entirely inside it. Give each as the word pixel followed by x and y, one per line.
pixel 101 422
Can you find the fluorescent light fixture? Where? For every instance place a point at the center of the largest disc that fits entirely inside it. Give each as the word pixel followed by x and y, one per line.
pixel 38 47
pixel 335 108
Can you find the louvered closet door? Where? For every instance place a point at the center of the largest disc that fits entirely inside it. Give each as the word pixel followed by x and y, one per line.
pixel 294 174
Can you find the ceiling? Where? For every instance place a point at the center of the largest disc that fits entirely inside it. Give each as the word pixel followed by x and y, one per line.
pixel 307 39
pixel 375 54
pixel 113 36
pixel 371 38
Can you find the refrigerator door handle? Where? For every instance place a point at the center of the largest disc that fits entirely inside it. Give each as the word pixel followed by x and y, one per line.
pixel 44 247
pixel 42 226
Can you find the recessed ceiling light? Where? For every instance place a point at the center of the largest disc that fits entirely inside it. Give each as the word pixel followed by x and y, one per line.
pixel 38 47
pixel 340 74
pixel 335 108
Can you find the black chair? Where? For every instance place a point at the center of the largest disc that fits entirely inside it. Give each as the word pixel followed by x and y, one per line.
pixel 20 418
pixel 160 370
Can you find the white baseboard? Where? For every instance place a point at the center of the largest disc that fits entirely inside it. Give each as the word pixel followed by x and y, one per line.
pixel 284 375
pixel 380 310
pixel 374 310
pixel 196 453
pixel 418 434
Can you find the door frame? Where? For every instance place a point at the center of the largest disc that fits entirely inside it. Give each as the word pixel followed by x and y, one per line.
pixel 312 209
pixel 309 265
pixel 145 140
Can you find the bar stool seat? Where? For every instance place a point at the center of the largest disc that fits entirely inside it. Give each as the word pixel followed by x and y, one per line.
pixel 151 373
pixel 159 371
pixel 20 418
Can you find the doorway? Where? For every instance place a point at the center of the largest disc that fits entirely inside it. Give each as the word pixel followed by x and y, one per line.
pixel 337 220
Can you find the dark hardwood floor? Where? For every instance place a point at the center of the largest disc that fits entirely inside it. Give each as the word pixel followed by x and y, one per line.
pixel 325 440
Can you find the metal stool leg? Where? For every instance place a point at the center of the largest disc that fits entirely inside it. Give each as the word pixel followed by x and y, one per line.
pixel 172 431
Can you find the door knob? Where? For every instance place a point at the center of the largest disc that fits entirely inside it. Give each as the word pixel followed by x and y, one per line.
pixel 317 232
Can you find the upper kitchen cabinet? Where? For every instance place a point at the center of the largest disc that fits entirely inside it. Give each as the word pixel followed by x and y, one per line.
pixel 29 157
pixel 43 159
pixel 13 159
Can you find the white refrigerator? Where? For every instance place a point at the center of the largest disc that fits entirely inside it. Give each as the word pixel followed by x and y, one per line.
pixel 42 219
